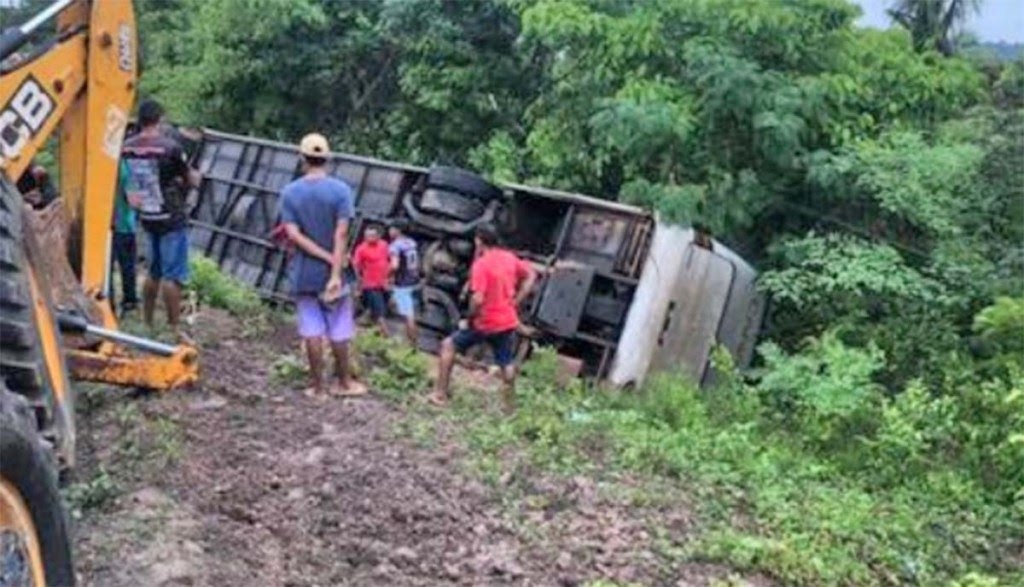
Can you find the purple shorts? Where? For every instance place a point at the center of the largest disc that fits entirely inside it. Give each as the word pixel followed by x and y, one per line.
pixel 336 322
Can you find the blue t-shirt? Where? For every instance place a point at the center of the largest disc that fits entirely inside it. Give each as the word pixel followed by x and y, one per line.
pixel 408 273
pixel 315 206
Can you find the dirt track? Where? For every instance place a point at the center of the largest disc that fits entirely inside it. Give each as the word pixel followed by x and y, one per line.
pixel 272 488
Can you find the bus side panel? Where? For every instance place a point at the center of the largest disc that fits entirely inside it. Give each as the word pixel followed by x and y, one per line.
pixel 742 320
pixel 698 299
pixel 743 313
pixel 650 301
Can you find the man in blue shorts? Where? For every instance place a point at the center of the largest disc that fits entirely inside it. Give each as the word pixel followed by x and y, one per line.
pixel 405 276
pixel 316 210
pixel 498 282
pixel 159 178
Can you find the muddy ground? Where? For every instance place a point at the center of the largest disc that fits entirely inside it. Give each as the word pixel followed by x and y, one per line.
pixel 244 481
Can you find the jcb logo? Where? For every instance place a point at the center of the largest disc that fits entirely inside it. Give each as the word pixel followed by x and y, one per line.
pixel 125 47
pixel 23 117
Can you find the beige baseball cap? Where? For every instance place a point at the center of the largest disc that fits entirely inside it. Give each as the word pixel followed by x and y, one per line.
pixel 314 145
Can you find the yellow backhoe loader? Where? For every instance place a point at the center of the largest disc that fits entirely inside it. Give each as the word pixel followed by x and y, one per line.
pixel 56 325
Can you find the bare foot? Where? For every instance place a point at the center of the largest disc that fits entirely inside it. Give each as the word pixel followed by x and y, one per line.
pixel 354 389
pixel 313 392
pixel 437 399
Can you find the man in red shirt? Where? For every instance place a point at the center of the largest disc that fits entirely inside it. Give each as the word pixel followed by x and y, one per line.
pixel 498 282
pixel 372 263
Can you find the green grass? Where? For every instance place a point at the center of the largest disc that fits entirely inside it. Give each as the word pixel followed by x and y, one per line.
pixel 392 368
pixel 96 493
pixel 141 445
pixel 289 369
pixel 769 500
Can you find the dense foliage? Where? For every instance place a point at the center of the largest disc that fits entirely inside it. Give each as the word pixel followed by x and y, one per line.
pixel 875 177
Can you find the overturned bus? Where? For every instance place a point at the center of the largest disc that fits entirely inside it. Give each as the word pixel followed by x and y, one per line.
pixel 620 294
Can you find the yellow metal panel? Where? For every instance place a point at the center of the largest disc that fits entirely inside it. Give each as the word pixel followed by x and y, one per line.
pixel 34 98
pixel 50 343
pixel 110 94
pixel 158 373
pixel 48 340
pixel 17 518
pixel 72 167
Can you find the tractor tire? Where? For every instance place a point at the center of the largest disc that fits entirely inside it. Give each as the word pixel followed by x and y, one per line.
pixel 464 182
pixel 461 248
pixel 23 367
pixel 34 536
pixel 439 312
pixel 446 281
pixel 451 204
pixel 433 317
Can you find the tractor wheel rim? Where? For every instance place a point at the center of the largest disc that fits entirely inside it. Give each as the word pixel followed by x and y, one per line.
pixel 21 559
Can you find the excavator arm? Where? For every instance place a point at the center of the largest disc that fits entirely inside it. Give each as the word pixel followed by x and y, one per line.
pixel 79 87
pixel 83 84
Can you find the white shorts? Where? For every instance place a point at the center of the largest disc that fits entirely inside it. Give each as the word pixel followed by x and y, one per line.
pixel 405 303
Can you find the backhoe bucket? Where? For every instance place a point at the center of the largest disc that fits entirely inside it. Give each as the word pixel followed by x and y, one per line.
pixel 45 239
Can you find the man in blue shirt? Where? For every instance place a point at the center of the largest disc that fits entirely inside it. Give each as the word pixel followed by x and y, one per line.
pixel 316 210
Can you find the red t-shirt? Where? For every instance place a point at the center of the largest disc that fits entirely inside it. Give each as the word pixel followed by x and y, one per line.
pixel 495 275
pixel 372 264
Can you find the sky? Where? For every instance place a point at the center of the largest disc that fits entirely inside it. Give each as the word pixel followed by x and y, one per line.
pixel 999 20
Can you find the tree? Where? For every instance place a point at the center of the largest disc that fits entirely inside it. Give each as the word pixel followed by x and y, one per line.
pixel 934 23
pixel 278 68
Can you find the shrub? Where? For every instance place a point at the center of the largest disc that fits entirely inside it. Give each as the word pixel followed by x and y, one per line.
pixel 222 291
pixel 990 434
pixel 825 393
pixel 913 430
pixel 673 401
pixel 1001 327
pixel 546 409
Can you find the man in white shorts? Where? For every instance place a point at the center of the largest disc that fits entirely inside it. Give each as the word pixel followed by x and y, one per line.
pixel 405 276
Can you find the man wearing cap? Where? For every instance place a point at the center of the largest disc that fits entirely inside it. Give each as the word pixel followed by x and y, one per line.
pixel 316 210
